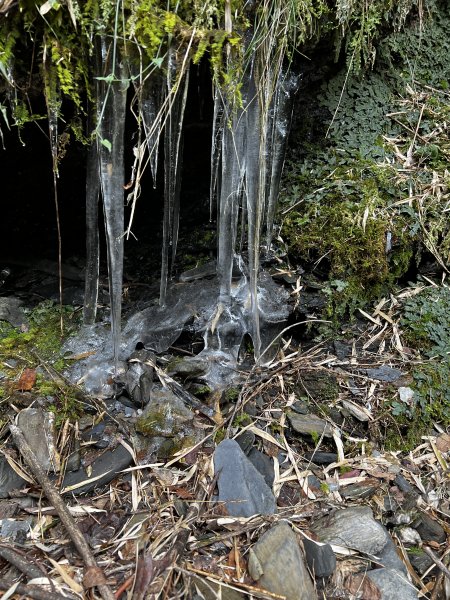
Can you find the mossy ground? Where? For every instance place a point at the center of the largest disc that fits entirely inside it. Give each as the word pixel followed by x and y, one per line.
pixel 38 347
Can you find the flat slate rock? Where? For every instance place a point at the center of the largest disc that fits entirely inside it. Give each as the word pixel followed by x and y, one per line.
pixel 264 464
pixel 11 311
pixel 320 558
pixel 277 564
pixel 38 429
pixel 393 585
pixel 429 529
pixel 356 529
pixel 384 373
pixel 9 480
pixel 107 466
pixel 309 424
pixel 242 488
pixel 321 458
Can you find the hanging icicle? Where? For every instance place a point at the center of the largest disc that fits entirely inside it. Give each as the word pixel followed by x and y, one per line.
pixel 111 103
pixel 177 81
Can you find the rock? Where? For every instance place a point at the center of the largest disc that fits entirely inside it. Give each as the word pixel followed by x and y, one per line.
pixel 38 430
pixel 342 349
pixel 277 564
pixel 301 407
pixel 246 441
pixel 309 424
pixel 165 415
pixel 362 489
pixel 11 311
pixel 264 464
pixel 139 376
pixel 384 373
pixel 15 531
pixel 406 395
pixel 353 528
pixel 420 560
pixel 429 529
pixel 393 585
pixel 321 458
pixel 9 480
pixel 104 469
pixel 188 367
pixel 242 488
pixel 320 558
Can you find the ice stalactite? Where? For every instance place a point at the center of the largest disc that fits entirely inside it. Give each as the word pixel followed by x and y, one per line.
pixel 278 130
pixel 177 80
pixel 92 236
pixel 253 141
pixel 151 109
pixel 111 103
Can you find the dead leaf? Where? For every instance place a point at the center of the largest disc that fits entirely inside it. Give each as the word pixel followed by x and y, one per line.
pixel 144 576
pixel 93 576
pixel 66 577
pixel 27 380
pixel 362 587
pixel 443 442
pixel 183 493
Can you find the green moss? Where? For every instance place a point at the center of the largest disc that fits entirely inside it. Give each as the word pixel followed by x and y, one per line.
pixel 231 394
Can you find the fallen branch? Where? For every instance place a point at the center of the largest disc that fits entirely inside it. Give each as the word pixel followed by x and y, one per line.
pixel 23 564
pixel 94 573
pixel 31 591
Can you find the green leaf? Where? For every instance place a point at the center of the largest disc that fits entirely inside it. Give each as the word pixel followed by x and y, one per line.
pixel 107 144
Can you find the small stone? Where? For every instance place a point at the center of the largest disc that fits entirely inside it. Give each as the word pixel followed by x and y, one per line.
pixel 38 430
pixel 242 488
pixel 320 558
pixel 104 469
pixel 246 441
pixel 9 479
pixel 384 373
pixel 15 531
pixel 301 407
pixel 409 536
pixel 11 311
pixel 420 560
pixel 264 464
pixel 321 458
pixel 165 415
pixel 406 395
pixel 277 564
pixel 309 424
pixel 393 585
pixel 429 529
pixel 362 489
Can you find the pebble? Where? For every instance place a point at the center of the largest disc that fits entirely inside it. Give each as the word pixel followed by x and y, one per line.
pixel 309 424
pixel 320 558
pixel 9 479
pixel 277 564
pixel 242 488
pixel 38 430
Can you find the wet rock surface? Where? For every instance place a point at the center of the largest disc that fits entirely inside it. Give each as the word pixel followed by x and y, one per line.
pixel 38 427
pixel 309 424
pixel 242 489
pixel 9 479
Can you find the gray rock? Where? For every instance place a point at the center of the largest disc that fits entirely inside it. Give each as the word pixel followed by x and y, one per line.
pixel 393 585
pixel 242 488
pixel 321 458
pixel 246 440
pixel 320 558
pixel 165 415
pixel 9 480
pixel 309 424
pixel 429 529
pixel 384 373
pixel 139 376
pixel 277 564
pixel 104 469
pixel 264 464
pixel 11 311
pixel 37 427
pixel 15 531
pixel 355 528
pixel 420 561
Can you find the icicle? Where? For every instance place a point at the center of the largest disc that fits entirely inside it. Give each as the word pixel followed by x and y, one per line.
pixel 279 126
pixel 92 236
pixel 111 126
pixel 216 145
pixel 176 90
pixel 151 112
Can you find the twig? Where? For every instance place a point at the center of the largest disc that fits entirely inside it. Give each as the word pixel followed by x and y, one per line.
pixel 23 564
pixel 69 523
pixel 440 565
pixel 31 591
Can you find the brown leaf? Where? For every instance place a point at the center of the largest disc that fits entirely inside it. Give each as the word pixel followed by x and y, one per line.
pixel 93 576
pixel 443 442
pixel 27 380
pixel 362 587
pixel 144 576
pixel 183 493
